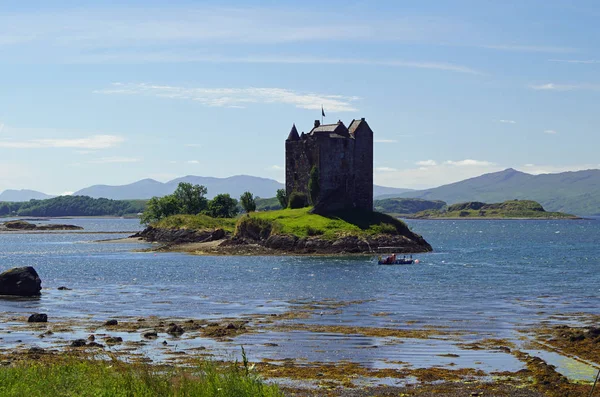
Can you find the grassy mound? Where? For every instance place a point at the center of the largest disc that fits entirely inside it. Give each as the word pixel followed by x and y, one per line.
pixel 82 377
pixel 196 222
pixel 509 209
pixel 301 223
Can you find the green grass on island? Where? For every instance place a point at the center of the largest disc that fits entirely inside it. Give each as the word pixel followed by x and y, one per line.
pixel 196 222
pixel 70 376
pixel 513 209
pixel 298 222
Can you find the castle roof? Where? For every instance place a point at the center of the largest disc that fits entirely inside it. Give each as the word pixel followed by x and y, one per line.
pixel 332 130
pixel 356 124
pixel 293 136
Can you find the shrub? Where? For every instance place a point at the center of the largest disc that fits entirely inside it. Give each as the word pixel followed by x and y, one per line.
pixel 282 198
pixel 247 201
pixel 297 200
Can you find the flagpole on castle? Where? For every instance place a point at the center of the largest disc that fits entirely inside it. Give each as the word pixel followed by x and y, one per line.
pixel 322 114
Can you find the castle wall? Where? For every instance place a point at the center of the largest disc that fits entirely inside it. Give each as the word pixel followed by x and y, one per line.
pixel 299 159
pixel 336 172
pixel 345 165
pixel 363 168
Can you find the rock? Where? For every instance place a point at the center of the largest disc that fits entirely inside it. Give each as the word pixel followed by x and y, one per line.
pixel 64 289
pixel 175 330
pixel 78 343
pixel 164 343
pixel 36 350
pixel 150 334
pixel 38 318
pixel 113 340
pixel 91 338
pixel 95 344
pixel 111 322
pixel 21 281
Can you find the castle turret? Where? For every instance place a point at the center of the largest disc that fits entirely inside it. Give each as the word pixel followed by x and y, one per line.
pixel 293 136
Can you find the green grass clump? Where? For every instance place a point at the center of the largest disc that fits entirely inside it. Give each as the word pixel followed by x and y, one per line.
pixel 90 377
pixel 301 223
pixel 196 222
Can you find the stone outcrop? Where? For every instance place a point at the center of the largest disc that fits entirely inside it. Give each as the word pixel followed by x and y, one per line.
pixel 341 245
pixel 19 225
pixel 179 236
pixel 20 281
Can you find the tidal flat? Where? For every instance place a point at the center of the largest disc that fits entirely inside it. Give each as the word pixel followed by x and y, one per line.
pixel 471 318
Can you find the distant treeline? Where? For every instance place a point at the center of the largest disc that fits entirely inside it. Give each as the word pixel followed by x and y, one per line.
pixel 73 206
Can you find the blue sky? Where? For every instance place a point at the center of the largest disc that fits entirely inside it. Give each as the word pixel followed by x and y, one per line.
pixel 96 92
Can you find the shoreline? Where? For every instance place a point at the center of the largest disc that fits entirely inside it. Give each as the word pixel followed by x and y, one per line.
pixel 157 341
pixel 575 218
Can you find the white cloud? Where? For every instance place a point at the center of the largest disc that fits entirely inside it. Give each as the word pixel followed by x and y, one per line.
pixel 66 194
pixel 583 61
pixel 565 87
pixel 385 169
pixel 92 142
pixel 276 168
pixel 106 160
pixel 469 163
pixel 507 121
pixel 385 141
pixel 426 163
pixel 551 132
pixel 228 97
pixel 531 48
pixel 193 162
pixel 170 57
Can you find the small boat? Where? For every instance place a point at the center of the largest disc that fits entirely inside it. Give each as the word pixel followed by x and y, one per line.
pixel 393 260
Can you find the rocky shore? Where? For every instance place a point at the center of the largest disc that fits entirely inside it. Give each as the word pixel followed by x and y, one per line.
pixel 20 225
pixel 248 242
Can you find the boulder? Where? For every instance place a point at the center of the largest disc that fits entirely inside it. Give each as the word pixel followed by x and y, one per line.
pixel 38 318
pixel 21 281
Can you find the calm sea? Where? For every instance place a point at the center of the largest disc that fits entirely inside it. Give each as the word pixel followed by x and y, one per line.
pixel 488 277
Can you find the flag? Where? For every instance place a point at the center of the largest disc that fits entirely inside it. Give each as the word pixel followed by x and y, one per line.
pixel 322 111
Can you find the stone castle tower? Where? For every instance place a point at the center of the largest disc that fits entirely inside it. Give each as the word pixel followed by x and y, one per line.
pixel 344 159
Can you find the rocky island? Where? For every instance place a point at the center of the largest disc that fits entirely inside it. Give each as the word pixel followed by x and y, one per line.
pixel 512 209
pixel 289 231
pixel 19 225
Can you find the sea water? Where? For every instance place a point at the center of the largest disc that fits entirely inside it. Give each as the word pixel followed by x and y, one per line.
pixel 485 277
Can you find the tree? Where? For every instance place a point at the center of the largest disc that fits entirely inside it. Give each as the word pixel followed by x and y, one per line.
pixel 160 207
pixel 248 202
pixel 222 206
pixel 282 198
pixel 313 185
pixel 191 198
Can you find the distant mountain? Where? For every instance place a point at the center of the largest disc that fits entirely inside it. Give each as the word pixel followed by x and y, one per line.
pixel 148 188
pixel 571 192
pixel 382 192
pixel 234 185
pixel 144 189
pixel 23 195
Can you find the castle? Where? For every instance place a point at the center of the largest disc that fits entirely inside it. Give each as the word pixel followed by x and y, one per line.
pixel 343 158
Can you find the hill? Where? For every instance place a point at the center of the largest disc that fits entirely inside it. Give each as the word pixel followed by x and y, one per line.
pixel 404 206
pixel 73 206
pixel 234 185
pixel 571 192
pixel 513 209
pixel 23 195
pixel 148 188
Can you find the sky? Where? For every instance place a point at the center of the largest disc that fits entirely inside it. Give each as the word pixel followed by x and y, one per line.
pixel 102 93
